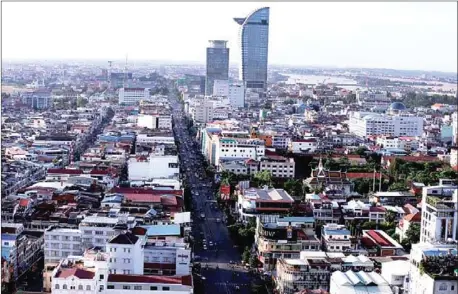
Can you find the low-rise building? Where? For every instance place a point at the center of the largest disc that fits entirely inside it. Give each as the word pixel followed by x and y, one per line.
pixel 358 282
pixel 61 243
pixel 335 238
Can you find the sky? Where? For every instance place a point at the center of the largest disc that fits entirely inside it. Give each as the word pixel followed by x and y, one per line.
pixel 421 36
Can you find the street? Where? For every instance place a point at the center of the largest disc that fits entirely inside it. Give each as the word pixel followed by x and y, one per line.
pixel 213 248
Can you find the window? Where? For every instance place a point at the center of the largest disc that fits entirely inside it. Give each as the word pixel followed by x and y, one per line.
pixel 88 288
pixel 64 287
pixel 57 286
pixel 126 287
pixel 101 288
pixel 452 287
pixel 165 288
pixel 137 287
pixel 153 288
pixel 110 286
pixel 101 277
pixel 443 287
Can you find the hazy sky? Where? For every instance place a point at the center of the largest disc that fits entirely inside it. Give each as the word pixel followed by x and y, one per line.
pixel 387 35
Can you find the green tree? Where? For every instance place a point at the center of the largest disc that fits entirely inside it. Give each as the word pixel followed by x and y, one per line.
pixel 398 186
pixel 253 261
pixel 263 178
pixel 390 217
pixel 361 150
pixel 246 255
pixel 81 102
pixel 369 225
pixel 294 187
pixel 413 233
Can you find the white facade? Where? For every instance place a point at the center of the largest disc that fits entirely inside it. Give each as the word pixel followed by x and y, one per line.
pixel 239 148
pixel 155 121
pixel 365 124
pixel 61 243
pixel 395 272
pixel 455 128
pixel 407 144
pixel 307 145
pixel 132 95
pixel 144 138
pixel 98 230
pixel 279 169
pixel 336 238
pixel 155 167
pixel 358 282
pixel 127 259
pixel 422 282
pixel 236 96
pixel 221 88
pixel 439 219
pixel 454 157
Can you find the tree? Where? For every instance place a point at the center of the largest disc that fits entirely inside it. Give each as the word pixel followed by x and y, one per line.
pixel 253 261
pixel 413 233
pixel 398 186
pixel 361 150
pixel 263 178
pixel 390 217
pixel 293 187
pixel 246 255
pixel 369 225
pixel 81 102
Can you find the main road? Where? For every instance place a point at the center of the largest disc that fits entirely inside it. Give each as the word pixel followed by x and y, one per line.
pixel 213 246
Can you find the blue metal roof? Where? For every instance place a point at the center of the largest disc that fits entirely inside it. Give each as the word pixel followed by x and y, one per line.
pixel 337 232
pixel 8 237
pixel 162 230
pixel 297 219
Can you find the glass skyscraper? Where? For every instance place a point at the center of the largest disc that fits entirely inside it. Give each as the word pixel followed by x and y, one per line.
pixel 217 64
pixel 254 43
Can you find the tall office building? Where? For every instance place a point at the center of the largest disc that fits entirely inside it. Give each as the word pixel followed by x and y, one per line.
pixel 217 64
pixel 254 43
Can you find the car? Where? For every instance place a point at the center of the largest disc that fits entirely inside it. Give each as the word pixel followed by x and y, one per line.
pixel 231 262
pixel 218 220
pixel 237 288
pixel 202 216
pixel 205 247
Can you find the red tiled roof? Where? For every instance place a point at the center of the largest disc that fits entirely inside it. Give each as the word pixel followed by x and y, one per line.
pixel 378 238
pixel 146 191
pixel 365 175
pixel 377 209
pixel 183 280
pixel 142 197
pixel 65 171
pixel 413 217
pixel 77 272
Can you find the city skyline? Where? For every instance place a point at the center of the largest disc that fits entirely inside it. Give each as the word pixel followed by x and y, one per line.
pixel 417 36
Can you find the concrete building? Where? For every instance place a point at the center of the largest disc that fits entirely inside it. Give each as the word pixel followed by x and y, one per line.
pixel 236 95
pixel 439 219
pixel 217 64
pixel 38 99
pixel 395 272
pixel 163 122
pixel 254 201
pixel 221 88
pixel 132 95
pixel 126 254
pixel 406 143
pixel 307 145
pixel 153 167
pixel 278 166
pixel 335 238
pixel 396 124
pixel 284 237
pixel 61 243
pixel 254 46
pixel 432 269
pixel 373 99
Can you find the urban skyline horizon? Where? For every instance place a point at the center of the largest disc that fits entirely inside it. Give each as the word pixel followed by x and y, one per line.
pixel 401 39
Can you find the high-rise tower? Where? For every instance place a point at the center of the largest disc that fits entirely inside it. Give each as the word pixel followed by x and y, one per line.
pixel 254 47
pixel 217 64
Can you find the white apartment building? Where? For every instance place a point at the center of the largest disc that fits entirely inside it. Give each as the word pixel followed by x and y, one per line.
pixel 169 255
pixel 406 143
pixel 237 96
pixel 335 238
pixel 235 92
pixel 365 124
pixel 202 110
pixel 454 157
pixel 308 145
pixel 126 254
pixel 132 95
pixel 439 220
pixel 163 122
pixel 221 88
pixel 280 141
pixel 432 269
pixel 145 138
pixel 98 230
pixel 279 167
pixel 155 166
pixel 370 99
pixel 61 243
pixel 238 148
pixel 455 128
